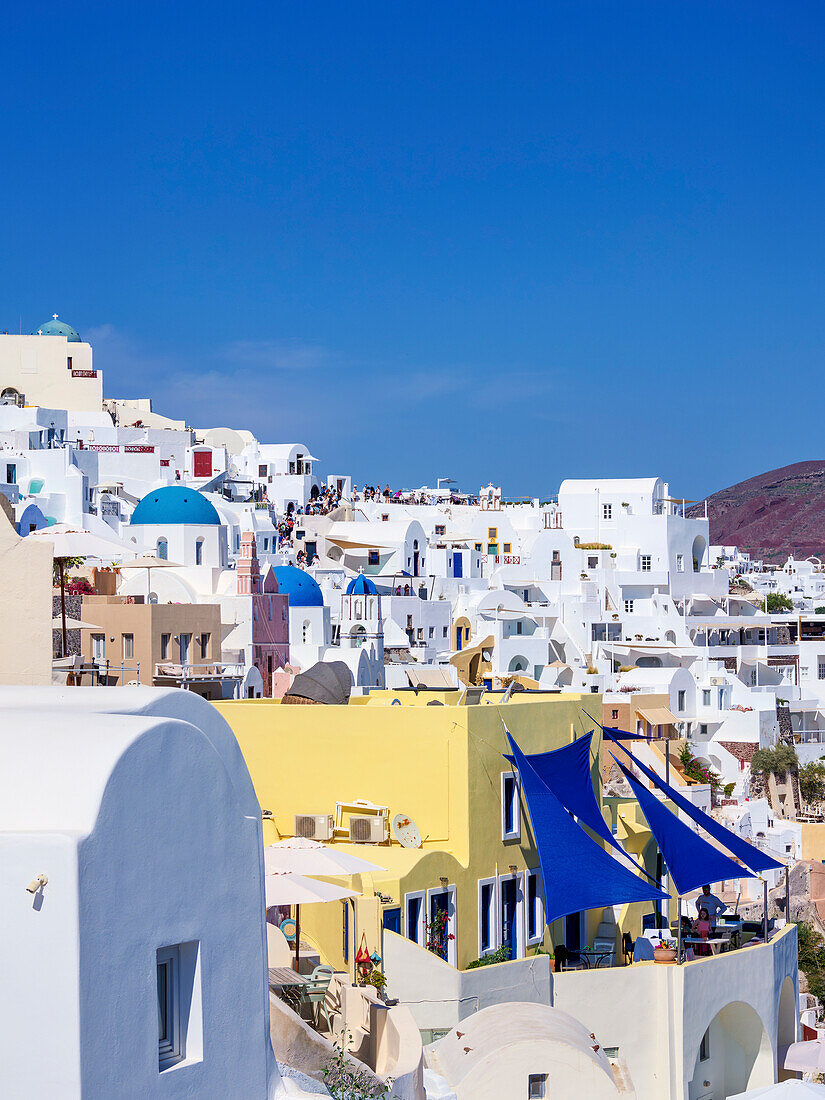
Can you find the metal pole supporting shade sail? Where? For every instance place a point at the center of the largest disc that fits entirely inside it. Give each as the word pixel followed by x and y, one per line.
pixel 577 873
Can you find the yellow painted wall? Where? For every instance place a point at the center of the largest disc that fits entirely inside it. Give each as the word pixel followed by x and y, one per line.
pixel 440 765
pixel 813 840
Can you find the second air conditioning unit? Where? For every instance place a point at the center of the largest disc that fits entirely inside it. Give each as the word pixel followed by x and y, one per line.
pixel 314 826
pixel 717 681
pixel 368 829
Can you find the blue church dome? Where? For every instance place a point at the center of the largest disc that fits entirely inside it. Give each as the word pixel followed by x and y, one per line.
pixel 302 589
pixel 361 586
pixel 59 328
pixel 176 504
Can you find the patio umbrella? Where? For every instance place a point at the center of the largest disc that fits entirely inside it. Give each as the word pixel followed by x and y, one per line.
pixel 807 1057
pixel 287 888
pixel 69 543
pixel 785 1090
pixel 71 624
pixel 310 857
pixel 149 562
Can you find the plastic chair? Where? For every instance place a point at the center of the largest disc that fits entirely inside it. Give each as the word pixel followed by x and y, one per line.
pixel 314 993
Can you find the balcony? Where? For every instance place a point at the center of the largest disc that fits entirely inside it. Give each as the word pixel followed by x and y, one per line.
pixel 183 674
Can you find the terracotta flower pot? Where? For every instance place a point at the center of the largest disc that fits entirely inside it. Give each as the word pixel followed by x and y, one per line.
pixel 664 954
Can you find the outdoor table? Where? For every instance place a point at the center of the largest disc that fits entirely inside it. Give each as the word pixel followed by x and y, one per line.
pixel 597 954
pixel 715 943
pixel 287 983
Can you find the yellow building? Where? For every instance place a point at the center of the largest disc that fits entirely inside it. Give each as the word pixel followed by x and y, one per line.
pixel 441 764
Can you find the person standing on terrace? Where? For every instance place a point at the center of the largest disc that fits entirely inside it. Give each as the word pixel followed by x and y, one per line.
pixel 709 901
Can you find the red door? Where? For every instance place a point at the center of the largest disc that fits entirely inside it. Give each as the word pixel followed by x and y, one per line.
pixel 203 463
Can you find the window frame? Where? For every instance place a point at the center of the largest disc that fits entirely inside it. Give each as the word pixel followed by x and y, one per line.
pixel 514 806
pixel 629 605
pixel 420 932
pixel 172 1048
pixel 98 647
pixel 607 511
pixel 165 642
pixel 128 646
pixel 533 913
pixel 646 563
pixel 535 1080
pixel 492 910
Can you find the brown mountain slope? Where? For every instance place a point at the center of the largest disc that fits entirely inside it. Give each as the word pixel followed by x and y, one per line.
pixel 773 515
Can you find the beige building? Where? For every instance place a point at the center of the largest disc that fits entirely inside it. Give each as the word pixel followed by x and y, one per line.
pixel 161 644
pixel 25 607
pixel 52 368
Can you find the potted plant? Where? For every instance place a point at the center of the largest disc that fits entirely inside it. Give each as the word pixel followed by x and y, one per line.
pixel 665 951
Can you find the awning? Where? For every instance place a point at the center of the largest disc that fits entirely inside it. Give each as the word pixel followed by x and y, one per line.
pixel 577 874
pixel 429 678
pixel 566 772
pixel 658 716
pixel 749 855
pixel 690 860
pixel 355 544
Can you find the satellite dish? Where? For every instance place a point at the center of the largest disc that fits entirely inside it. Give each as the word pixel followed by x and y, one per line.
pixel 406 832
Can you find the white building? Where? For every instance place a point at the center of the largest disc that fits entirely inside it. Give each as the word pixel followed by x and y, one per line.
pixel 133 900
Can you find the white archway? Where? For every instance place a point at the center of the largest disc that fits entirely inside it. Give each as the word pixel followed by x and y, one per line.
pixel 787 1023
pixel 518 664
pixel 734 1054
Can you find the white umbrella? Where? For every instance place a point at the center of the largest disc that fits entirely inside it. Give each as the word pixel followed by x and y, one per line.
pixel 287 888
pixel 785 1090
pixel 72 542
pixel 310 857
pixel 149 562
pixel 807 1057
pixel 72 624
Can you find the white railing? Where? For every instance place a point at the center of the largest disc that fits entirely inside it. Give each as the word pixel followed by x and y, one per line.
pixel 209 670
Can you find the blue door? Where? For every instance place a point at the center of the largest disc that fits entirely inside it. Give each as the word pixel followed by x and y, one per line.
pixel 438 930
pixel 392 920
pixel 509 908
pixel 458 565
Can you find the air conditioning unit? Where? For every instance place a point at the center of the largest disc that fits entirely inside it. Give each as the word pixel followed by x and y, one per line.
pixel 368 829
pixel 314 826
pixel 717 681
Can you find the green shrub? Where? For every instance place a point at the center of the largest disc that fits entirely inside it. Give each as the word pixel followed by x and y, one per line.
pixel 812 958
pixel 776 761
pixel 812 781
pixel 500 955
pixel 775 601
pixel 819 611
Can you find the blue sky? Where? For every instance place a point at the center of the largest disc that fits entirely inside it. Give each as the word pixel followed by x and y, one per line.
pixel 513 242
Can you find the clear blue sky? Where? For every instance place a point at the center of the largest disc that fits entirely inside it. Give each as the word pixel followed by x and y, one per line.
pixel 510 242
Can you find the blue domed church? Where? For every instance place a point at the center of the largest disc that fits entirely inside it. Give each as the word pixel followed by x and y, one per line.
pixel 181 525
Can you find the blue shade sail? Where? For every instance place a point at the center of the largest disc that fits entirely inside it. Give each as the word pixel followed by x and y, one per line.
pixel 577 874
pixel 754 859
pixel 690 860
pixel 612 733
pixel 566 771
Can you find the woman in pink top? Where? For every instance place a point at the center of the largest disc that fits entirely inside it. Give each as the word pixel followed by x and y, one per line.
pixel 702 927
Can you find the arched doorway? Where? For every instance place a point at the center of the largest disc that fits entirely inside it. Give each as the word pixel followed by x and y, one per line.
pixel 787 1023
pixel 734 1054
pixel 699 550
pixel 518 664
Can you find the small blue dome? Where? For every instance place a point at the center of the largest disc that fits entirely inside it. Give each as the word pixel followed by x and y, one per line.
pixel 176 504
pixel 361 586
pixel 302 589
pixel 59 328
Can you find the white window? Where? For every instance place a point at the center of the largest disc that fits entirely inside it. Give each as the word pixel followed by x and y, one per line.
pixel 306 633
pixel 415 906
pixel 486 916
pixel 128 647
pixel 537 1086
pixel 204 644
pixel 199 552
pixel 607 513
pixel 185 644
pixel 99 647
pixel 164 646
pixel 431 631
pixel 162 549
pixel 171 1046
pixel 180 1036
pixel 704 1047
pixel 592 563
pixel 680 563
pixel 535 908
pixel 646 562
pixel 821 670
pixel 628 607
pixel 706 697
pixel 721 698
pixel 510 809
pixel 444 631
pixel 680 700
